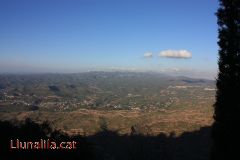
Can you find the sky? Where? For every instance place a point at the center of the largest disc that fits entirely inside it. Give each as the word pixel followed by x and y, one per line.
pixel 69 36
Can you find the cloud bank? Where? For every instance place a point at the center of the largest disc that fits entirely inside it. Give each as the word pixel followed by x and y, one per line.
pixel 175 54
pixel 148 55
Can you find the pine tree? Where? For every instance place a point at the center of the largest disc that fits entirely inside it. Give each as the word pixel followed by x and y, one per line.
pixel 226 127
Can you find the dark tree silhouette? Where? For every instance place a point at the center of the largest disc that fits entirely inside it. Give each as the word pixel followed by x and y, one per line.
pixel 226 128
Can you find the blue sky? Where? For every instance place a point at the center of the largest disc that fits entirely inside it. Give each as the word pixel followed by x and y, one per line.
pixel 83 35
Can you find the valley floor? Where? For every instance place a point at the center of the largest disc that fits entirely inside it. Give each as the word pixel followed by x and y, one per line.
pixel 148 122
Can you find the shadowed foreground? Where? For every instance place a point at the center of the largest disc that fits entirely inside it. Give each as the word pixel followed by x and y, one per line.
pixel 107 145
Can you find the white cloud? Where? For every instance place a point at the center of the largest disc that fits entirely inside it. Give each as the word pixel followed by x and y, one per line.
pixel 121 69
pixel 176 54
pixel 170 70
pixel 148 55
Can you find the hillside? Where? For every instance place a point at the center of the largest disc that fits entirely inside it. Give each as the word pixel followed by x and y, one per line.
pixel 152 103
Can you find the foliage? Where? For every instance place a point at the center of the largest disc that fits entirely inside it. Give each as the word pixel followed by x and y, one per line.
pixel 226 129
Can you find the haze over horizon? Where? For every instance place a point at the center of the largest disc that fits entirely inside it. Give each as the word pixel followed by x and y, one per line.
pixel 167 36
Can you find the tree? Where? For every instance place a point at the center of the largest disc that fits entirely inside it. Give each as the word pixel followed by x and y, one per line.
pixel 103 124
pixel 226 128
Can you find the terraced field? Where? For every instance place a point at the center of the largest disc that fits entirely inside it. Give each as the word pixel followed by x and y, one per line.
pixel 153 122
